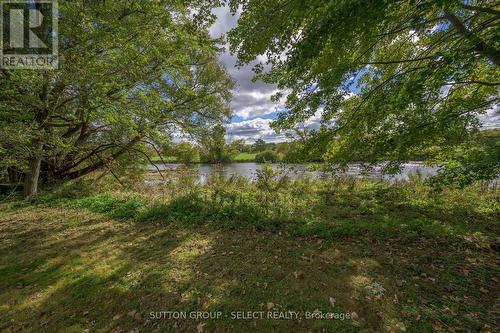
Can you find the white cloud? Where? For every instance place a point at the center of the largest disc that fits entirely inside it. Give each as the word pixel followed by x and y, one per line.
pixel 251 130
pixel 491 119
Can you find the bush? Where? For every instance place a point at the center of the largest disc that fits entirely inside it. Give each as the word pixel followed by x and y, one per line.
pixel 266 156
pixel 186 153
pixel 467 164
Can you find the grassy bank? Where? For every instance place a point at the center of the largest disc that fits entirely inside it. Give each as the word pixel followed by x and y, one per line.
pixel 241 157
pixel 164 159
pixel 245 157
pixel 395 258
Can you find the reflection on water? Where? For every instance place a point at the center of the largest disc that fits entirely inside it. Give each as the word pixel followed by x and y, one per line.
pixel 294 171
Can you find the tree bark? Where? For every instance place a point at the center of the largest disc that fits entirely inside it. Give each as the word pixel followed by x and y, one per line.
pixel 31 177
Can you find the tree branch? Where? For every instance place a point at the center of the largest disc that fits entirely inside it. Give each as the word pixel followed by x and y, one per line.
pixel 479 45
pixel 90 168
pixel 397 61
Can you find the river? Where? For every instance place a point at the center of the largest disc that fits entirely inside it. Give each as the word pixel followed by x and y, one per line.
pixel 294 171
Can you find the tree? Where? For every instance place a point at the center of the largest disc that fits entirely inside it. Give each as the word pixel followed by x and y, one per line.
pixel 214 147
pixel 186 153
pixel 476 160
pixel 239 145
pixel 128 73
pixel 267 156
pixel 390 79
pixel 259 145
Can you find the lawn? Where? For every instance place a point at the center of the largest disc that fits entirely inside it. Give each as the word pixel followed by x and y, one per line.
pixel 166 159
pixel 107 262
pixel 245 157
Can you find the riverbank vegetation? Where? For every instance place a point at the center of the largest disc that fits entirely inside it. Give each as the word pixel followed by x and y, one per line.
pixel 474 160
pixel 387 93
pixel 330 208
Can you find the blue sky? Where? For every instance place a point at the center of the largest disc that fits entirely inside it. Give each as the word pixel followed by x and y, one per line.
pixel 252 107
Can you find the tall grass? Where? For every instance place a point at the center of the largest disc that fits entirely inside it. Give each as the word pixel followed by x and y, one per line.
pixel 327 208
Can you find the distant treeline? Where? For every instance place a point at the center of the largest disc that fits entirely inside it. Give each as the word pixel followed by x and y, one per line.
pixel 299 150
pixel 236 151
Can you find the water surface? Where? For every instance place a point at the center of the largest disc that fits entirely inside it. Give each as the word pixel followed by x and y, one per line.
pixel 294 171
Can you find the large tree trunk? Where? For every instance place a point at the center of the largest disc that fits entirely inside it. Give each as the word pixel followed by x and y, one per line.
pixel 33 174
pixel 31 179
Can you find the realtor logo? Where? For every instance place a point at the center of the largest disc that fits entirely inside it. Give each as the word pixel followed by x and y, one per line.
pixel 28 34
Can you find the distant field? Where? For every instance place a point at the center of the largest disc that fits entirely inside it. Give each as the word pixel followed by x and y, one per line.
pixel 245 157
pixel 241 157
pixel 166 159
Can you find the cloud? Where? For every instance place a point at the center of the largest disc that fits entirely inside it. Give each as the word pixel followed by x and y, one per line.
pixel 250 99
pixel 491 119
pixel 251 130
pixel 260 128
pixel 315 121
pixel 253 103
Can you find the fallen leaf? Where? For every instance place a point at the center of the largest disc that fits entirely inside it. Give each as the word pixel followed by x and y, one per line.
pixel 199 327
pixel 486 329
pixel 332 302
pixel 269 305
pixel 116 317
pixel 436 326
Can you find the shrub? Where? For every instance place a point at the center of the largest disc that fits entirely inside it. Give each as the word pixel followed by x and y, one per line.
pixel 266 156
pixel 186 153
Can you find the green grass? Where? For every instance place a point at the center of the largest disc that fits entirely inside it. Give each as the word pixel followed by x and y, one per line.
pixel 245 157
pixel 241 157
pixel 401 257
pixel 166 159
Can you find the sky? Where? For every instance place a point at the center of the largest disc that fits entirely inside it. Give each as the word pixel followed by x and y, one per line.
pixel 252 106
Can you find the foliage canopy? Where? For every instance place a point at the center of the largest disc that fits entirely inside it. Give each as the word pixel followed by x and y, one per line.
pixel 390 79
pixel 129 73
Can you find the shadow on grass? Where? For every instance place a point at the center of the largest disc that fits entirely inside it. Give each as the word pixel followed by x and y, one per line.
pixel 63 270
